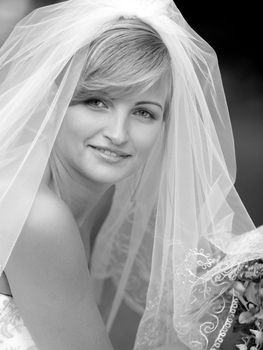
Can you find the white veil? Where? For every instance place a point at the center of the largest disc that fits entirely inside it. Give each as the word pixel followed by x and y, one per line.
pixel 177 229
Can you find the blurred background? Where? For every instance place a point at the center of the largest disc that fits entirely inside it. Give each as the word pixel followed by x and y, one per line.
pixel 234 33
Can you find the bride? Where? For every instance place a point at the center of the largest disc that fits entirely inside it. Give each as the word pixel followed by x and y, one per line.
pixel 120 224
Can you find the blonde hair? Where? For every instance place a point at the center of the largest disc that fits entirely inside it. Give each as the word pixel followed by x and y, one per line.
pixel 129 56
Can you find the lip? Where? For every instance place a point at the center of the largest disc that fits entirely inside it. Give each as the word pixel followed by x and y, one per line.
pixel 111 155
pixel 113 150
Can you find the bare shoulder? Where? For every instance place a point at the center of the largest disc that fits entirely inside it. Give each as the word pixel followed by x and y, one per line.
pixel 51 227
pixel 49 214
pixel 49 279
pixel 49 242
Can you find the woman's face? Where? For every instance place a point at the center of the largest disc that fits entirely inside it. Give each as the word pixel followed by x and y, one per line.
pixel 104 139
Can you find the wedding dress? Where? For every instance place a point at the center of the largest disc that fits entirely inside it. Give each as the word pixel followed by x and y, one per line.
pixel 13 333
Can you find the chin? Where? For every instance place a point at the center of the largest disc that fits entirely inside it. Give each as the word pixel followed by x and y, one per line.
pixel 106 173
pixel 107 176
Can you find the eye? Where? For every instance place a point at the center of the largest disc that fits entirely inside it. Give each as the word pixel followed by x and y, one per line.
pixel 144 114
pixel 95 103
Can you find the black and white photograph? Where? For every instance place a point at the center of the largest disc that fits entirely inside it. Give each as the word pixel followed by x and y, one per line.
pixel 131 167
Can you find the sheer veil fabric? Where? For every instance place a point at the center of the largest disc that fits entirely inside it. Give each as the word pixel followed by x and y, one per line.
pixel 176 229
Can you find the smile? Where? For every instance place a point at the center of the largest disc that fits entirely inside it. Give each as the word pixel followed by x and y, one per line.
pixel 110 155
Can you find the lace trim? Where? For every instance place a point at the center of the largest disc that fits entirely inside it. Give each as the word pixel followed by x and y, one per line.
pixel 13 333
pixel 229 320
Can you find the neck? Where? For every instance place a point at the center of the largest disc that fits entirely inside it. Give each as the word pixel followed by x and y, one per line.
pixel 80 194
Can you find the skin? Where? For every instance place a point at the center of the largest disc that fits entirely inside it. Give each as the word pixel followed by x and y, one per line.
pixel 112 123
pixel 126 125
pixel 48 268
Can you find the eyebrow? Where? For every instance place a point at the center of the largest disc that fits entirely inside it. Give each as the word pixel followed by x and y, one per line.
pixel 149 102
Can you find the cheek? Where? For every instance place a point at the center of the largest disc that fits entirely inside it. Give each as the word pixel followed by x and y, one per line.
pixel 69 136
pixel 145 137
pixel 74 128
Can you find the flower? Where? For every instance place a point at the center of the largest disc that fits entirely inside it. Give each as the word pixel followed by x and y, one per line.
pixel 242 346
pixel 247 288
pixel 259 315
pixel 239 287
pixel 246 317
pixel 251 293
pixel 258 337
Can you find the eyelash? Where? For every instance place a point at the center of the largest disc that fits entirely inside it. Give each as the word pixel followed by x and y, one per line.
pixel 150 114
pixel 91 101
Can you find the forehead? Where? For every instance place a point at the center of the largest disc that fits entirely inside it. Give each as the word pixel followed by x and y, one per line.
pixel 158 91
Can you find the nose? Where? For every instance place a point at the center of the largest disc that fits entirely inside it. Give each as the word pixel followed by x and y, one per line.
pixel 116 130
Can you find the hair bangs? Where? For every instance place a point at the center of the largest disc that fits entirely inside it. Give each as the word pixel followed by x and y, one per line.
pixel 129 57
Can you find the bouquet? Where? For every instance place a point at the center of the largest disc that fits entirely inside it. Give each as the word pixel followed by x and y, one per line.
pixel 248 320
